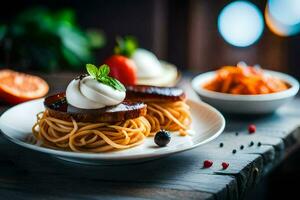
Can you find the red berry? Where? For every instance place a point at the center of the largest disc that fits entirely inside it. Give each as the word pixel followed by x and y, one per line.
pixel 251 128
pixel 207 163
pixel 225 165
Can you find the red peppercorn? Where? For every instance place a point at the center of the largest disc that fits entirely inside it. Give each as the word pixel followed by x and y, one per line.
pixel 251 128
pixel 225 165
pixel 207 163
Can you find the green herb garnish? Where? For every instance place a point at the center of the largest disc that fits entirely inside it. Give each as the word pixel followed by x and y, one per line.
pixel 101 75
pixel 126 46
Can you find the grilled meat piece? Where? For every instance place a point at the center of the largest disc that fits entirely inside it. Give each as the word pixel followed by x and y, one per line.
pixel 58 107
pixel 143 93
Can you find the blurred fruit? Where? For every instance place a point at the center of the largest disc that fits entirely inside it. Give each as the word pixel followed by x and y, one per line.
pixel 251 128
pixel 225 165
pixel 122 68
pixel 16 87
pixel 162 138
pixel 207 163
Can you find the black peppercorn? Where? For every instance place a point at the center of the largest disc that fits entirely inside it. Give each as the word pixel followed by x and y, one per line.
pixel 259 144
pixel 242 147
pixel 251 144
pixel 234 151
pixel 221 144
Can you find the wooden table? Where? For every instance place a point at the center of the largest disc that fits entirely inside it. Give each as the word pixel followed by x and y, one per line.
pixel 25 174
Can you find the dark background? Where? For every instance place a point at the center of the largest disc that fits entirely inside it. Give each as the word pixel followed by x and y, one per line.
pixel 183 32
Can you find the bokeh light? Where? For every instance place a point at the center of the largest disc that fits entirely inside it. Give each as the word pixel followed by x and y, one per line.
pixel 240 23
pixel 283 16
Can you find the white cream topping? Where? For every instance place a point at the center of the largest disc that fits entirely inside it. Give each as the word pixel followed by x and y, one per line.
pixel 88 93
pixel 148 66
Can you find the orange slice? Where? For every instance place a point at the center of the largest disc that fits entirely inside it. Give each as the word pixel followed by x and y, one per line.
pixel 16 87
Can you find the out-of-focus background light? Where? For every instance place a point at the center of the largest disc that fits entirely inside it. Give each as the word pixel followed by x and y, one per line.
pixel 193 35
pixel 283 16
pixel 240 23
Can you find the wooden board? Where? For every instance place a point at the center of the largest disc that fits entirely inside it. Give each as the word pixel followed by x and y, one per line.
pixel 25 174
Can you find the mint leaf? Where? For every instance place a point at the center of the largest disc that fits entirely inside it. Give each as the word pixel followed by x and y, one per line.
pixel 101 75
pixel 92 70
pixel 116 84
pixel 103 70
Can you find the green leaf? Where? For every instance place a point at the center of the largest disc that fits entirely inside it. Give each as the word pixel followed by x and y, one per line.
pixel 103 71
pixel 41 28
pixel 92 70
pixel 70 58
pixel 3 30
pixel 101 75
pixel 65 17
pixel 114 83
pixel 117 84
pixel 76 42
pixel 96 38
pixel 126 46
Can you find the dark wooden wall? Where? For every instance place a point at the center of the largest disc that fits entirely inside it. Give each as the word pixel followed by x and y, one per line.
pixel 183 32
pixel 207 50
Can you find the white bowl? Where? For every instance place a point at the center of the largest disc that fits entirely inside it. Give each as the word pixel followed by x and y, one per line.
pixel 246 104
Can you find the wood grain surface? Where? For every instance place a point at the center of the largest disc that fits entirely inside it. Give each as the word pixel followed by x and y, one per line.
pixel 25 174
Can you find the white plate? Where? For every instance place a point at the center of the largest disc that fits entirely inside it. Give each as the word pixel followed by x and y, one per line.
pixel 246 104
pixel 208 123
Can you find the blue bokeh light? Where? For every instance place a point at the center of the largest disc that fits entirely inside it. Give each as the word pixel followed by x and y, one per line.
pixel 240 23
pixel 283 16
pixel 285 11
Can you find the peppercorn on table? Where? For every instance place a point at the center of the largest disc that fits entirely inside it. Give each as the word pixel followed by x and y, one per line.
pixel 226 168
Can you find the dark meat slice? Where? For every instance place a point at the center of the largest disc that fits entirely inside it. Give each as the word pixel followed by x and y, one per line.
pixel 58 107
pixel 144 93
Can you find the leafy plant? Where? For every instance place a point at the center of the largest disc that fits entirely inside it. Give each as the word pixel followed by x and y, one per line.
pixel 39 38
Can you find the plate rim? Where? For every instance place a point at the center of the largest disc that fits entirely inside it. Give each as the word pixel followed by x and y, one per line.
pixel 112 157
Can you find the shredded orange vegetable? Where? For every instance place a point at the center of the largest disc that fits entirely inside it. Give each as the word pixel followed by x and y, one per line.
pixel 245 80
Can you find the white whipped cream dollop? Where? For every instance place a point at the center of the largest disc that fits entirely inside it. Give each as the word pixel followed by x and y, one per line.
pixel 148 66
pixel 88 93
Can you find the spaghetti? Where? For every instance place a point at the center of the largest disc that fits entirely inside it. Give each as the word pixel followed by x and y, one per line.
pixel 171 116
pixel 89 137
pixel 94 137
